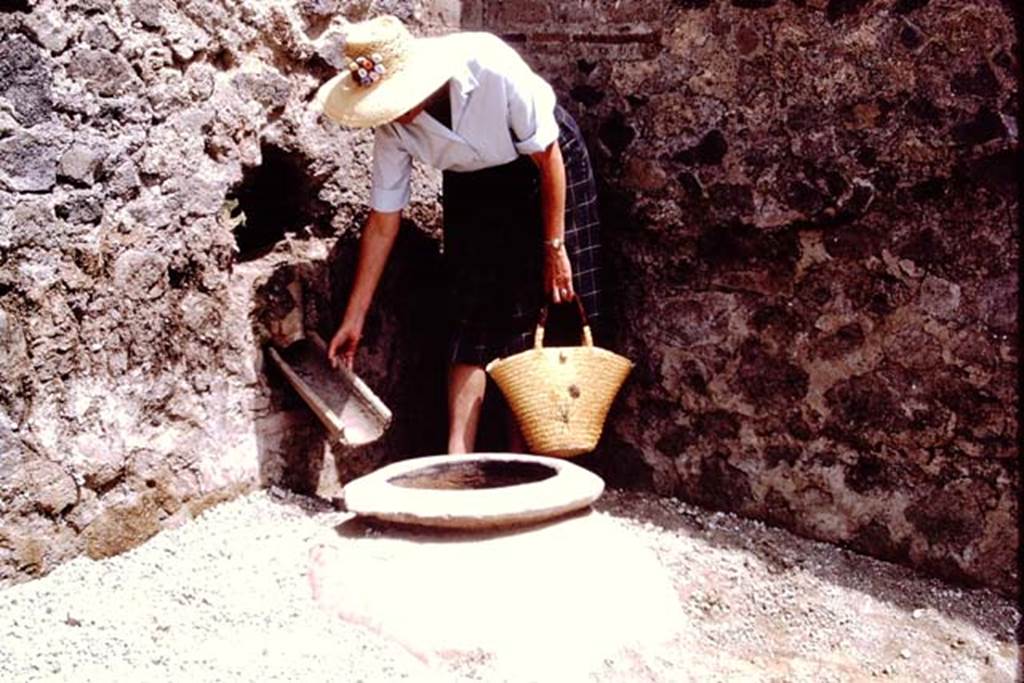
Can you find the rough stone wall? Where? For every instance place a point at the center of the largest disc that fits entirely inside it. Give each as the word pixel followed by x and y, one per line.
pixel 810 214
pixel 133 303
pixel 810 208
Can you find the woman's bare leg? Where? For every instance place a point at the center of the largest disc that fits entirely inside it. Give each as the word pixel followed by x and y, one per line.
pixel 466 385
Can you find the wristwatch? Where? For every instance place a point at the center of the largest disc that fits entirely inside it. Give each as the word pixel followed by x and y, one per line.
pixel 555 243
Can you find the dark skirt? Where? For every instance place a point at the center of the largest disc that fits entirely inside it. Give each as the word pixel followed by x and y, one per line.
pixel 494 249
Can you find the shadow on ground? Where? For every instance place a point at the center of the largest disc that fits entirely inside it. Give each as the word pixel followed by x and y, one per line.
pixel 784 552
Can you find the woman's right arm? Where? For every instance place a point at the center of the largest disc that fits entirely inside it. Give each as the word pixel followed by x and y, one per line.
pixel 374 248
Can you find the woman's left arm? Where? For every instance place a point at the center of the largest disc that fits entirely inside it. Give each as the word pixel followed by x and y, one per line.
pixel 557 268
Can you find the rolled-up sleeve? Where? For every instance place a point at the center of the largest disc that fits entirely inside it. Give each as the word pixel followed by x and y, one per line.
pixel 531 106
pixel 392 173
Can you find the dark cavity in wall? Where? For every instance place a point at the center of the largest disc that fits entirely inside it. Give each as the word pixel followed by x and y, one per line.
pixel 277 198
pixel 224 59
pixel 7 6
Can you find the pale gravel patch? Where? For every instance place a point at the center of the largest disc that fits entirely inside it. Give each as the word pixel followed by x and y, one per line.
pixel 800 610
pixel 226 598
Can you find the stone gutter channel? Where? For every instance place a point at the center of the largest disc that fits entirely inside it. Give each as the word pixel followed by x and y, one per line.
pixel 275 586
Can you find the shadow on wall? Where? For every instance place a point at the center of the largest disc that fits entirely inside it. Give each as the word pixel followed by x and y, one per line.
pixel 618 461
pixel 402 353
pixel 401 358
pixel 303 285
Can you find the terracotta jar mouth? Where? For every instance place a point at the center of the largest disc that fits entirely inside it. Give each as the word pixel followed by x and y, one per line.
pixel 473 491
pixel 476 474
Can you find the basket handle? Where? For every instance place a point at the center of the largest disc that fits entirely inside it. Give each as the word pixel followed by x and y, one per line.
pixel 538 336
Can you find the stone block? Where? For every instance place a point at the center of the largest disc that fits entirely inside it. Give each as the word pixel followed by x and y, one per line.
pixel 79 164
pixel 99 459
pixel 50 488
pixel 101 37
pixel 124 526
pixel 124 179
pixel 27 163
pixel 268 88
pixel 141 275
pixel 80 209
pixel 318 8
pixel 50 28
pixel 104 73
pixel 25 80
pixel 147 12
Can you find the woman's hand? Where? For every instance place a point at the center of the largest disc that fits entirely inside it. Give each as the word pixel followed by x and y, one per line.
pixel 344 343
pixel 558 275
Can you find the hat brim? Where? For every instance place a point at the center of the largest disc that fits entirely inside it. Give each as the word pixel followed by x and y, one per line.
pixel 431 62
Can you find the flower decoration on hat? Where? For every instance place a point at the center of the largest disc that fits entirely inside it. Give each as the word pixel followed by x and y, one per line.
pixel 367 70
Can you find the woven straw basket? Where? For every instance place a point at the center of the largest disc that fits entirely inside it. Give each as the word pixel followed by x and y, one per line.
pixel 561 395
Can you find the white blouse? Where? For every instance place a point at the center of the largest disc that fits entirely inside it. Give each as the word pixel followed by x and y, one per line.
pixel 493 95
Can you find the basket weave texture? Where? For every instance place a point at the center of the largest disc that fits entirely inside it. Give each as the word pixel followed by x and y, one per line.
pixel 560 395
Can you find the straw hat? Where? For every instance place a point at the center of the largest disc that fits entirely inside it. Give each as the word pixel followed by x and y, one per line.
pixel 389 72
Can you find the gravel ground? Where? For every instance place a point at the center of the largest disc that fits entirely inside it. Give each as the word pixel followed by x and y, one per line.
pixel 227 597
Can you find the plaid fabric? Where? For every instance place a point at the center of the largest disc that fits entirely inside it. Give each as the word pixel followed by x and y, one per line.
pixel 494 247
